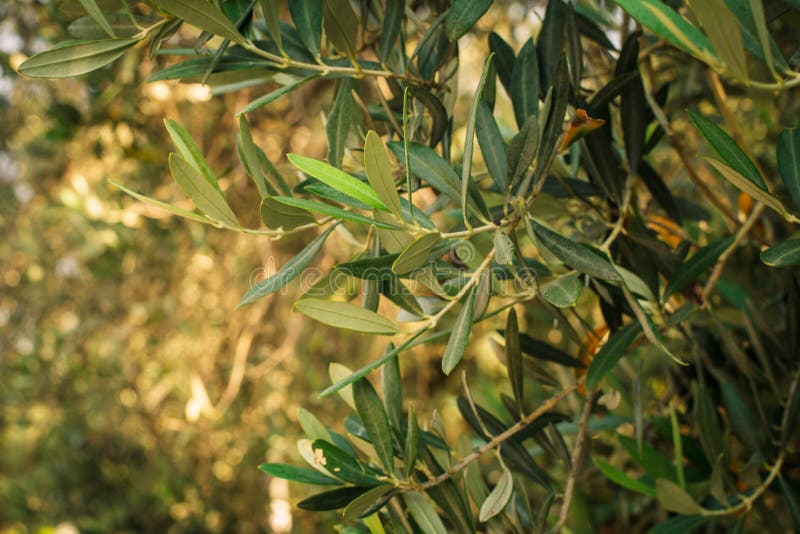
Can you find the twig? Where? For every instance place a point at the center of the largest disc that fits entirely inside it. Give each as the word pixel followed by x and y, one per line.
pixel 577 455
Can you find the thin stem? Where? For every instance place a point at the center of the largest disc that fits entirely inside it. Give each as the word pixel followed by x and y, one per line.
pixel 577 455
pixel 434 320
pixel 748 500
pixel 472 231
pixel 617 228
pixel 280 233
pixel 496 441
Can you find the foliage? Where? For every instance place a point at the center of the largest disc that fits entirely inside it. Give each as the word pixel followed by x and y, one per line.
pixel 578 225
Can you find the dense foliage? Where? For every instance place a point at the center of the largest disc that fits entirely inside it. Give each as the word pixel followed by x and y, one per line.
pixel 646 315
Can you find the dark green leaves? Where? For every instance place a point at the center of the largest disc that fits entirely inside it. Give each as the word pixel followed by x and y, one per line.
pixel 376 422
pixel 275 214
pixel 332 211
pixel 73 59
pixel 390 28
pixel 274 95
pixel 205 16
pixel 784 254
pixel 342 465
pixel 788 153
pixel 307 17
pixel 727 149
pixel 416 254
pixel 514 358
pixel 576 255
pixel 291 270
pixel 339 180
pixel 346 315
pixel 303 475
pixel 696 265
pixel 339 120
pixel 341 26
pixel 463 14
pixel 457 344
pixel 424 513
pixel 492 146
pixel 550 43
pixel 525 83
pixel 609 355
pixel 379 172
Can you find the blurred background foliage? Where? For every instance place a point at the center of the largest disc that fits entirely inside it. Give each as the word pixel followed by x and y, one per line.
pixel 133 398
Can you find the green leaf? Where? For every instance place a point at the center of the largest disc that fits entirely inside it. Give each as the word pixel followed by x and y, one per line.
pixel 346 315
pixel 307 17
pixel 391 26
pixel 205 16
pixel 312 427
pixel 525 83
pixel 675 499
pixel 616 475
pixel 122 25
pixel 576 255
pixel 666 23
pixel 429 167
pixel 271 10
pixel 343 466
pixel 331 500
pixel 207 199
pixel 727 149
pixel 338 126
pixel 492 146
pixel 469 140
pixel 522 150
pixel 563 292
pixel 416 254
pixel 722 30
pixel 73 59
pixel 700 261
pixel 303 475
pixel 633 108
pixel 550 42
pixel 424 513
pixel 376 422
pixel 744 184
pixel 412 441
pixel 341 26
pixel 514 358
pixel 504 59
pixel 743 420
pixel 94 11
pixel 499 496
pixel 332 211
pixel 757 12
pixel 339 180
pixel 276 214
pixel 338 372
pixel 167 207
pixel 459 338
pixel 249 155
pixel 784 254
pixel 543 351
pixel 368 502
pixel 788 154
pixel 705 418
pixel 188 151
pixel 555 120
pixel 681 523
pixel 290 270
pixel 379 172
pixel 608 356
pixel 274 95
pixel 462 16
pixel 392 390
pixel 504 248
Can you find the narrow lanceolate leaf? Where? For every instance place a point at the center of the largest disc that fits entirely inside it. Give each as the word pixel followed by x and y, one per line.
pixel 332 211
pixel 614 474
pixel 543 351
pixel 522 150
pixel 341 465
pixel 338 126
pixel 610 354
pixel 563 292
pixel 759 20
pixel 291 270
pixel 784 254
pixel 73 59
pixel 550 42
pixel 274 95
pixel 633 105
pixel 788 153
pixel 503 248
pixel 463 14
pixel 525 83
pixel 429 167
pixel 379 172
pixel 307 17
pixel 175 210
pixel 514 358
pixel 271 10
pixel 276 214
pixel 492 146
pixel 412 441
pixel 675 499
pixel 727 149
pixel 424 514
pixel 303 475
pixel 700 261
pixel 391 26
pixel 341 26
pixel 205 16
pixel 207 199
pixel 122 24
pixel 457 344
pixel 469 140
pixel 339 180
pixel 576 255
pixel 376 422
pixel 368 502
pixel 188 151
pixel 331 500
pixel 499 496
pixel 666 23
pixel 504 59
pixel 416 254
pixel 250 157
pixel 346 315
pixel 392 389
pixel 94 11
pixel 746 185
pixel 723 31
pixel 555 119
